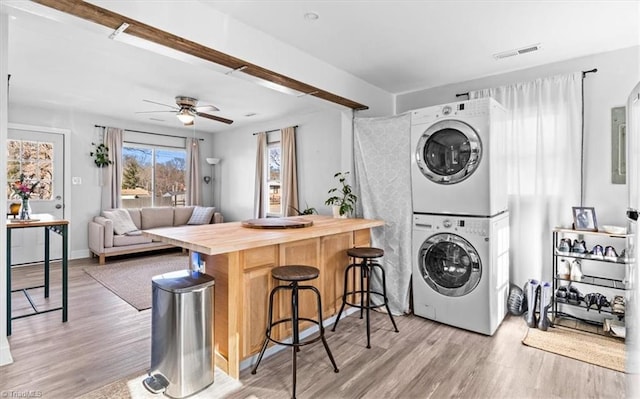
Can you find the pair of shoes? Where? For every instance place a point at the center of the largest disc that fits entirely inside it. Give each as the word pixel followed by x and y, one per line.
pixel 596 298
pixel 574 296
pixel 564 245
pixel 561 294
pixel 576 270
pixel 610 253
pixel 617 306
pixel 597 252
pixel 579 247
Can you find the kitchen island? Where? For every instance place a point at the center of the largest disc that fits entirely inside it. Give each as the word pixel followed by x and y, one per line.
pixel 240 259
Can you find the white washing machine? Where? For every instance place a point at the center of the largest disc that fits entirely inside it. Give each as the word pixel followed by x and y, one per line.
pixel 458 159
pixel 461 270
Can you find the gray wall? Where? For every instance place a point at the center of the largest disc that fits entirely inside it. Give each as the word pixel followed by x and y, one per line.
pixel 319 148
pixel 618 72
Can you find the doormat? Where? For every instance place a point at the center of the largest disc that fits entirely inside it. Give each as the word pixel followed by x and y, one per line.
pixel 587 347
pixel 131 279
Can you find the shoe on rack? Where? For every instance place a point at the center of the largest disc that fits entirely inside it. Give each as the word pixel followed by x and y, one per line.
pixel 576 270
pixel 596 298
pixel 579 247
pixel 610 253
pixel 564 245
pixel 561 294
pixel 597 252
pixel 617 306
pixel 574 296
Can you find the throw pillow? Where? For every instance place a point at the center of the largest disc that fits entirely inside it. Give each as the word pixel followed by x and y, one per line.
pixel 122 222
pixel 201 215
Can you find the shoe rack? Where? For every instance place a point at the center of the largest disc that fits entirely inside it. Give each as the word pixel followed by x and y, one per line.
pixel 599 275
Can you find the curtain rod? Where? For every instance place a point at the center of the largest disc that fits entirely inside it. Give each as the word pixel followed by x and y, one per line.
pixel 594 70
pixel 274 130
pixel 155 134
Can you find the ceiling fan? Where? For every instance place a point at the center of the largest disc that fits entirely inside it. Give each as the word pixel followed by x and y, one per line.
pixel 187 109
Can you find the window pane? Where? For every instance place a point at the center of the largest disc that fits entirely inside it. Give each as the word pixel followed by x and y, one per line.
pixel 29 150
pixel 13 150
pixel 170 177
pixel 273 182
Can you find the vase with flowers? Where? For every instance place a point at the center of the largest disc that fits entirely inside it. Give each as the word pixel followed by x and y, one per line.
pixel 23 188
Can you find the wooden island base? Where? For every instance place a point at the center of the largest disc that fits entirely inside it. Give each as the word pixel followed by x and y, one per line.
pixel 241 260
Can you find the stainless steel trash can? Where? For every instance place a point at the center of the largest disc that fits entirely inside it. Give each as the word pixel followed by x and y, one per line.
pixel 182 350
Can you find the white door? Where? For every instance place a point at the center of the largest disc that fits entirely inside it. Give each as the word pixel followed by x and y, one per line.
pixel 40 154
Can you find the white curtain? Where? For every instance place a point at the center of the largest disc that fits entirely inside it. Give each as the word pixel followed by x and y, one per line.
pixel 543 166
pixel 259 202
pixel 112 189
pixel 289 199
pixel 383 183
pixel 194 189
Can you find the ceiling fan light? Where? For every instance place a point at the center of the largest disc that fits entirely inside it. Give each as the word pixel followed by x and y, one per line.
pixel 185 116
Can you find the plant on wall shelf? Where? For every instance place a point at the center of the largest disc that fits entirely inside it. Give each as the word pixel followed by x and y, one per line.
pixel 100 155
pixel 343 198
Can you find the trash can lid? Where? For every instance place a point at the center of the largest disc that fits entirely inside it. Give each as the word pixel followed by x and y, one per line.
pixel 182 281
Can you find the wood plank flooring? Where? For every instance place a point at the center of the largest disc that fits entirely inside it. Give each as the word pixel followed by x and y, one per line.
pixel 106 340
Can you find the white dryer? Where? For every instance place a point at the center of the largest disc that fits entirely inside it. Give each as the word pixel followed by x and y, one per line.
pixel 461 270
pixel 458 159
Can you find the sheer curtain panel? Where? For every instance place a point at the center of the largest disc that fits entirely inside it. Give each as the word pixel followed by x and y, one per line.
pixel 192 176
pixel 543 143
pixel 112 189
pixel 259 201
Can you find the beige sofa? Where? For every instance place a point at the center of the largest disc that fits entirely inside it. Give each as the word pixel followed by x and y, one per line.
pixel 104 242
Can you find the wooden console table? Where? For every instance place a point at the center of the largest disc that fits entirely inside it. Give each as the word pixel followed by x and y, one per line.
pixel 50 224
pixel 240 259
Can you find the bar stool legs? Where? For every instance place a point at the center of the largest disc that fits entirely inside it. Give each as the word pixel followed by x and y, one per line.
pixel 295 318
pixel 366 268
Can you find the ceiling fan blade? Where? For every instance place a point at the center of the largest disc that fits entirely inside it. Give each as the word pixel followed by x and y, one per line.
pixel 215 118
pixel 207 108
pixel 152 112
pixel 164 105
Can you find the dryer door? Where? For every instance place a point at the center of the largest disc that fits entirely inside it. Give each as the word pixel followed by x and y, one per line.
pixel 449 264
pixel 448 152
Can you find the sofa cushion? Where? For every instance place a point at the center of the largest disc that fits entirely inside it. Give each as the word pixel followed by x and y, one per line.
pixel 202 215
pixel 123 240
pixel 156 217
pixel 181 215
pixel 121 219
pixel 136 217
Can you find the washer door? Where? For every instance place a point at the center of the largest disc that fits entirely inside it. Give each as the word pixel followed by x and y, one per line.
pixel 448 152
pixel 449 264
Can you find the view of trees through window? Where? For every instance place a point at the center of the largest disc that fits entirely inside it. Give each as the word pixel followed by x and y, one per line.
pixel 273 179
pixel 153 176
pixel 33 159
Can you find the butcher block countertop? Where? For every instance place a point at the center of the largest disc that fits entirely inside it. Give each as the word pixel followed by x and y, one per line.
pixel 220 238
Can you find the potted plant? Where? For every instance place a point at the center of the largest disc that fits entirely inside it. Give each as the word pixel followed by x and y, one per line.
pixel 343 200
pixel 100 155
pixel 306 211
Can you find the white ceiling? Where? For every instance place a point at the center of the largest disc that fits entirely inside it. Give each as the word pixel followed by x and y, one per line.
pixel 398 46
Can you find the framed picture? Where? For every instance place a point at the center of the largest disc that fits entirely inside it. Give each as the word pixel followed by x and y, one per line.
pixel 584 219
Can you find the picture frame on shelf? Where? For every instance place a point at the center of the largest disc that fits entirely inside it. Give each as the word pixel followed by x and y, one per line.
pixel 584 218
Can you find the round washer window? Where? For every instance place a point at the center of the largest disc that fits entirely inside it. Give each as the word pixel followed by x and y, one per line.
pixel 448 152
pixel 449 264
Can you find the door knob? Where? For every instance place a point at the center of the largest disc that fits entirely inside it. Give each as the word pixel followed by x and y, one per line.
pixel 58 206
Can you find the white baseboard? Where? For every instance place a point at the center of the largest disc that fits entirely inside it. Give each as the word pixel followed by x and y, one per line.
pixel 80 254
pixel 5 352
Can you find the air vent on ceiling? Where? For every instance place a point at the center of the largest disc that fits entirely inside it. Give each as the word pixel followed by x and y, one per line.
pixel 518 51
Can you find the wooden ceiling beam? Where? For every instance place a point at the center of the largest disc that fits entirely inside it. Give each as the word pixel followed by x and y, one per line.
pixel 112 20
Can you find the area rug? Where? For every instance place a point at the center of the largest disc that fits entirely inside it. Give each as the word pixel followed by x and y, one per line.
pixel 132 388
pixel 587 347
pixel 131 279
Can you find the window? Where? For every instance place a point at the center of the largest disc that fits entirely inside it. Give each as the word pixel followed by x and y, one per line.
pixel 152 176
pixel 273 179
pixel 34 159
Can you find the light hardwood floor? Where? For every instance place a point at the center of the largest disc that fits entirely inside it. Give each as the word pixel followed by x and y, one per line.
pixel 106 340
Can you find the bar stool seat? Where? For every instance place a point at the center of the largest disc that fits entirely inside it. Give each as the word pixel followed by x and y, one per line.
pixel 293 274
pixel 366 266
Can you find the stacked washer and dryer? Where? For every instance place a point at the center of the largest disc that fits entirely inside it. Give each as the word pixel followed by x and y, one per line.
pixel 460 225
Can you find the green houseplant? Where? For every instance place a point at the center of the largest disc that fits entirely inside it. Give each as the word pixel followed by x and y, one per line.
pixel 100 155
pixel 343 198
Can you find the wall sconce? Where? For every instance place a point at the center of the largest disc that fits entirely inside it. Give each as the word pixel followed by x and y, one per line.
pixel 213 161
pixel 207 179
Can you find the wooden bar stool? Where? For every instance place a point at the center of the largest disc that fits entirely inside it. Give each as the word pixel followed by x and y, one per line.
pixel 366 267
pixel 294 274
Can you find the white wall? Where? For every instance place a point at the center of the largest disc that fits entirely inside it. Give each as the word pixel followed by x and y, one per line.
pixel 85 198
pixel 319 151
pixel 618 71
